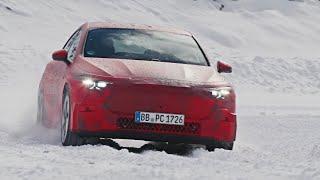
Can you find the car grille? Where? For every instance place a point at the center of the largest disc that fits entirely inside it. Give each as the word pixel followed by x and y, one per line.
pixel 129 124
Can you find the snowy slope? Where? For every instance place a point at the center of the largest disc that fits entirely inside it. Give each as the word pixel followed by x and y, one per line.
pixel 246 32
pixel 273 46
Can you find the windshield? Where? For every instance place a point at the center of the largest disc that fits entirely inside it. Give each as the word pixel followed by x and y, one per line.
pixel 143 45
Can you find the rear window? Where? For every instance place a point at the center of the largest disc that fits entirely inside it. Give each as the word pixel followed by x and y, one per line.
pixel 143 45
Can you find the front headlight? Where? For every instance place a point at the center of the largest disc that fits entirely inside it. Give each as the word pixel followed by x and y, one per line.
pixel 221 92
pixel 95 84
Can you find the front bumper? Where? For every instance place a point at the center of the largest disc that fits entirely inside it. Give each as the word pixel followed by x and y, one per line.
pixel 110 114
pixel 219 129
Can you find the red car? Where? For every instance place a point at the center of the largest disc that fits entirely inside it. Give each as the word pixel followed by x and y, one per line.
pixel 137 82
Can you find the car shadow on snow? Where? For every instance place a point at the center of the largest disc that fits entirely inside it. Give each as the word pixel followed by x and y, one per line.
pixel 41 135
pixel 177 149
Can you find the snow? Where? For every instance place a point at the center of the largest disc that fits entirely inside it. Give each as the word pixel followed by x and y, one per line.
pixel 273 46
pixel 270 145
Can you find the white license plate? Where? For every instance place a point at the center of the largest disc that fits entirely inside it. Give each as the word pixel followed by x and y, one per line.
pixel 159 118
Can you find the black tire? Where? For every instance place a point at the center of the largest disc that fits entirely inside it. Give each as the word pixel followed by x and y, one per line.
pixel 40 110
pixel 226 146
pixel 210 148
pixel 68 138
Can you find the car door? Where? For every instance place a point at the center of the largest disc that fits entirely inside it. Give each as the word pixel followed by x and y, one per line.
pixel 54 79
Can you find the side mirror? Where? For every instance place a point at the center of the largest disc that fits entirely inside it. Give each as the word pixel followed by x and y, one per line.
pixel 223 67
pixel 60 55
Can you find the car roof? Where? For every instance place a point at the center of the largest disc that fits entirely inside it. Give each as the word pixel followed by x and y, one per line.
pixel 97 25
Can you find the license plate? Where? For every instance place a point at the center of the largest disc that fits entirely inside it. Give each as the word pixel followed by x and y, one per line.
pixel 159 118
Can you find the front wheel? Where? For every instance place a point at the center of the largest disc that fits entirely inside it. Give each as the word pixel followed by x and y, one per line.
pixel 68 138
pixel 226 146
pixel 40 110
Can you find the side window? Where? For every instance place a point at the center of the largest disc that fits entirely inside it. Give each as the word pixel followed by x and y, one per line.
pixel 72 45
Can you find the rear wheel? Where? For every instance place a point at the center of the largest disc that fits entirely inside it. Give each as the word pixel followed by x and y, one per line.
pixel 68 138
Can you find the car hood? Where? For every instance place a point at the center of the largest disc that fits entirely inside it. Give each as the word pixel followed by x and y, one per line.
pixel 158 72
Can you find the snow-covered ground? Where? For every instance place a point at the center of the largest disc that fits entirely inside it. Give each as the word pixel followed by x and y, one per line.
pixel 273 46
